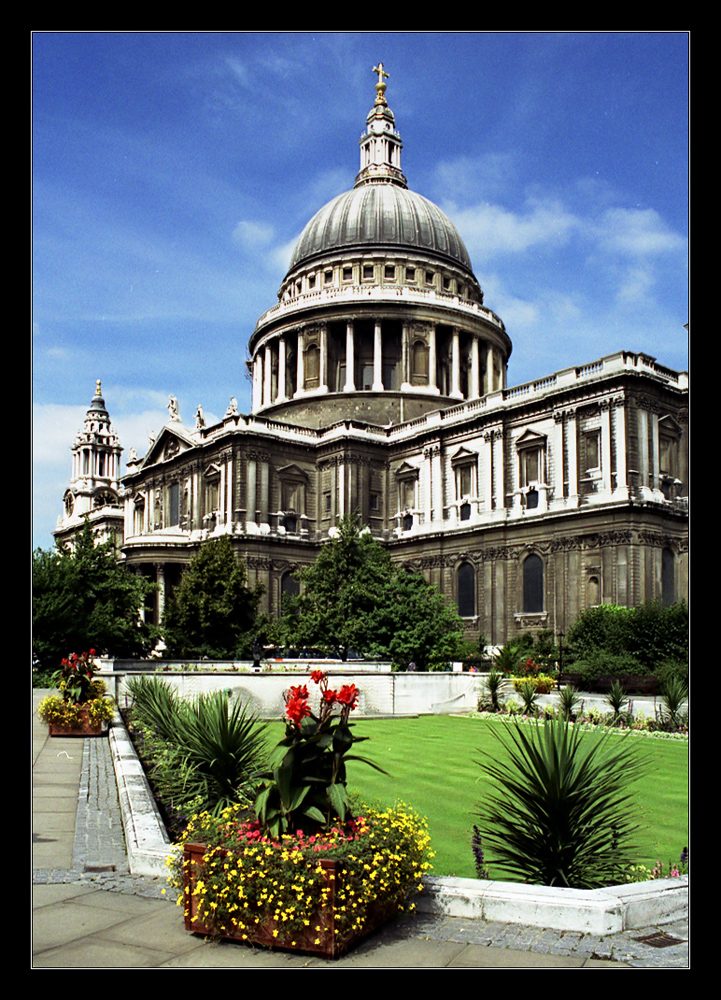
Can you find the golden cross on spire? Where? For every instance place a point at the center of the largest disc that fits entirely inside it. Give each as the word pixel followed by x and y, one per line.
pixel 381 73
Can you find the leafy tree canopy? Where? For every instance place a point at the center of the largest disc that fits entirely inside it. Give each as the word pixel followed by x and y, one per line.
pixel 212 612
pixel 83 598
pixel 354 598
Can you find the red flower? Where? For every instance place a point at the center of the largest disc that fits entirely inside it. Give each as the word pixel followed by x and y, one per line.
pixel 317 676
pixel 348 695
pixel 296 704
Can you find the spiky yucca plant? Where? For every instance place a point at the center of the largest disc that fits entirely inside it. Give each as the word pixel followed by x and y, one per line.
pixel 204 749
pixel 557 810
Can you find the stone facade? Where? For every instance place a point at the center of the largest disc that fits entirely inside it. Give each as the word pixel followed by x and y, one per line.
pixel 379 387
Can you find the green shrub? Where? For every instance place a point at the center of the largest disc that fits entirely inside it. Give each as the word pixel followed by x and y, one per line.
pixel 649 634
pixel 597 663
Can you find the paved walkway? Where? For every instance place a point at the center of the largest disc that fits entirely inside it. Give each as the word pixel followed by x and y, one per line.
pixel 90 912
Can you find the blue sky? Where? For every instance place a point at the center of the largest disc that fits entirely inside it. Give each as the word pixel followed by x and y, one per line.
pixel 173 172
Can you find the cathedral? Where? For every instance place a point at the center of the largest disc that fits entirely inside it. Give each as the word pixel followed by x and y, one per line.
pixel 379 388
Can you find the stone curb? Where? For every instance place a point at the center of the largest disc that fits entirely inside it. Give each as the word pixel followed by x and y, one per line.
pixel 598 911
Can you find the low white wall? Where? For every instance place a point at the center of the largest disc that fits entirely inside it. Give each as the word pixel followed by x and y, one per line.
pixel 381 691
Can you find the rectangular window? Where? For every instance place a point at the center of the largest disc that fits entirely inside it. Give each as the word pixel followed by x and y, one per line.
pixel 593 450
pixel 531 460
pixel 173 504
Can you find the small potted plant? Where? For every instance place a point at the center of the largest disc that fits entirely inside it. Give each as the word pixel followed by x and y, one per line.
pixel 307 871
pixel 81 708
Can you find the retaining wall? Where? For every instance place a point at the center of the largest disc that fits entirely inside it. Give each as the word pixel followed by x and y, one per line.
pixel 381 691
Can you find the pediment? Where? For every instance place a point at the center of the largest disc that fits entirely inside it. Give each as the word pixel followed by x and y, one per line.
pixel 463 456
pixel 293 472
pixel 406 469
pixel 171 442
pixel 531 439
pixel 667 425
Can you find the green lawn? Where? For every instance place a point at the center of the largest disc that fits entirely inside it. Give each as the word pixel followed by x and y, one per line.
pixel 431 767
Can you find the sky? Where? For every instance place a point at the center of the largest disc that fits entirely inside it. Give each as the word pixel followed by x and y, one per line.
pixel 172 173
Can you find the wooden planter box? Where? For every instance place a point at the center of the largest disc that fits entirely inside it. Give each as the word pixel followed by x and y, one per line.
pixel 83 727
pixel 325 942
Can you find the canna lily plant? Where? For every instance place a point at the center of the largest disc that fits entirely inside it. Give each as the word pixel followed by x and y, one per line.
pixel 305 789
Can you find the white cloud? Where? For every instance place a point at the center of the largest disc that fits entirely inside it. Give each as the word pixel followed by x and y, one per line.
pixel 637 233
pixel 251 235
pixel 490 230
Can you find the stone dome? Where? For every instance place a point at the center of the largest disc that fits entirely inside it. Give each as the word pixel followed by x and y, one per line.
pixel 380 215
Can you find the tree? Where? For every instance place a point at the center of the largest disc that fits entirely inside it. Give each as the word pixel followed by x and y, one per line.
pixel 412 622
pixel 353 597
pixel 84 597
pixel 338 591
pixel 212 612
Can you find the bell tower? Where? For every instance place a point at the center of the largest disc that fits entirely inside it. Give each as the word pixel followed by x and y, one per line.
pixel 95 477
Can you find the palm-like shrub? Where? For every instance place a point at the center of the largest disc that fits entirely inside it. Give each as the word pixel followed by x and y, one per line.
pixel 204 751
pixel 556 810
pixel 569 701
pixel 617 699
pixel 674 696
pixel 494 684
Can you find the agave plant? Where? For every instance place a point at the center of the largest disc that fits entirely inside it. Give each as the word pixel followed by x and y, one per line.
pixel 556 804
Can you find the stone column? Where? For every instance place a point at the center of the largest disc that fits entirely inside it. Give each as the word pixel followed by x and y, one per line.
pixel 475 386
pixel 300 365
pixel 572 446
pixel 250 491
pixel 229 491
pixel 378 357
pixel 437 484
pixel 455 365
pixel 655 479
pixel 559 490
pixel 621 468
pixel 257 381
pixel 488 470
pixel 264 490
pixel 349 357
pixel 606 446
pixel 280 395
pixel 499 479
pixel 323 374
pixel 432 359
pixel 267 376
pixel 160 580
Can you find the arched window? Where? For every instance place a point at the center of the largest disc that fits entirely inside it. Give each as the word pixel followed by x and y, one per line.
pixel 533 584
pixel 466 589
